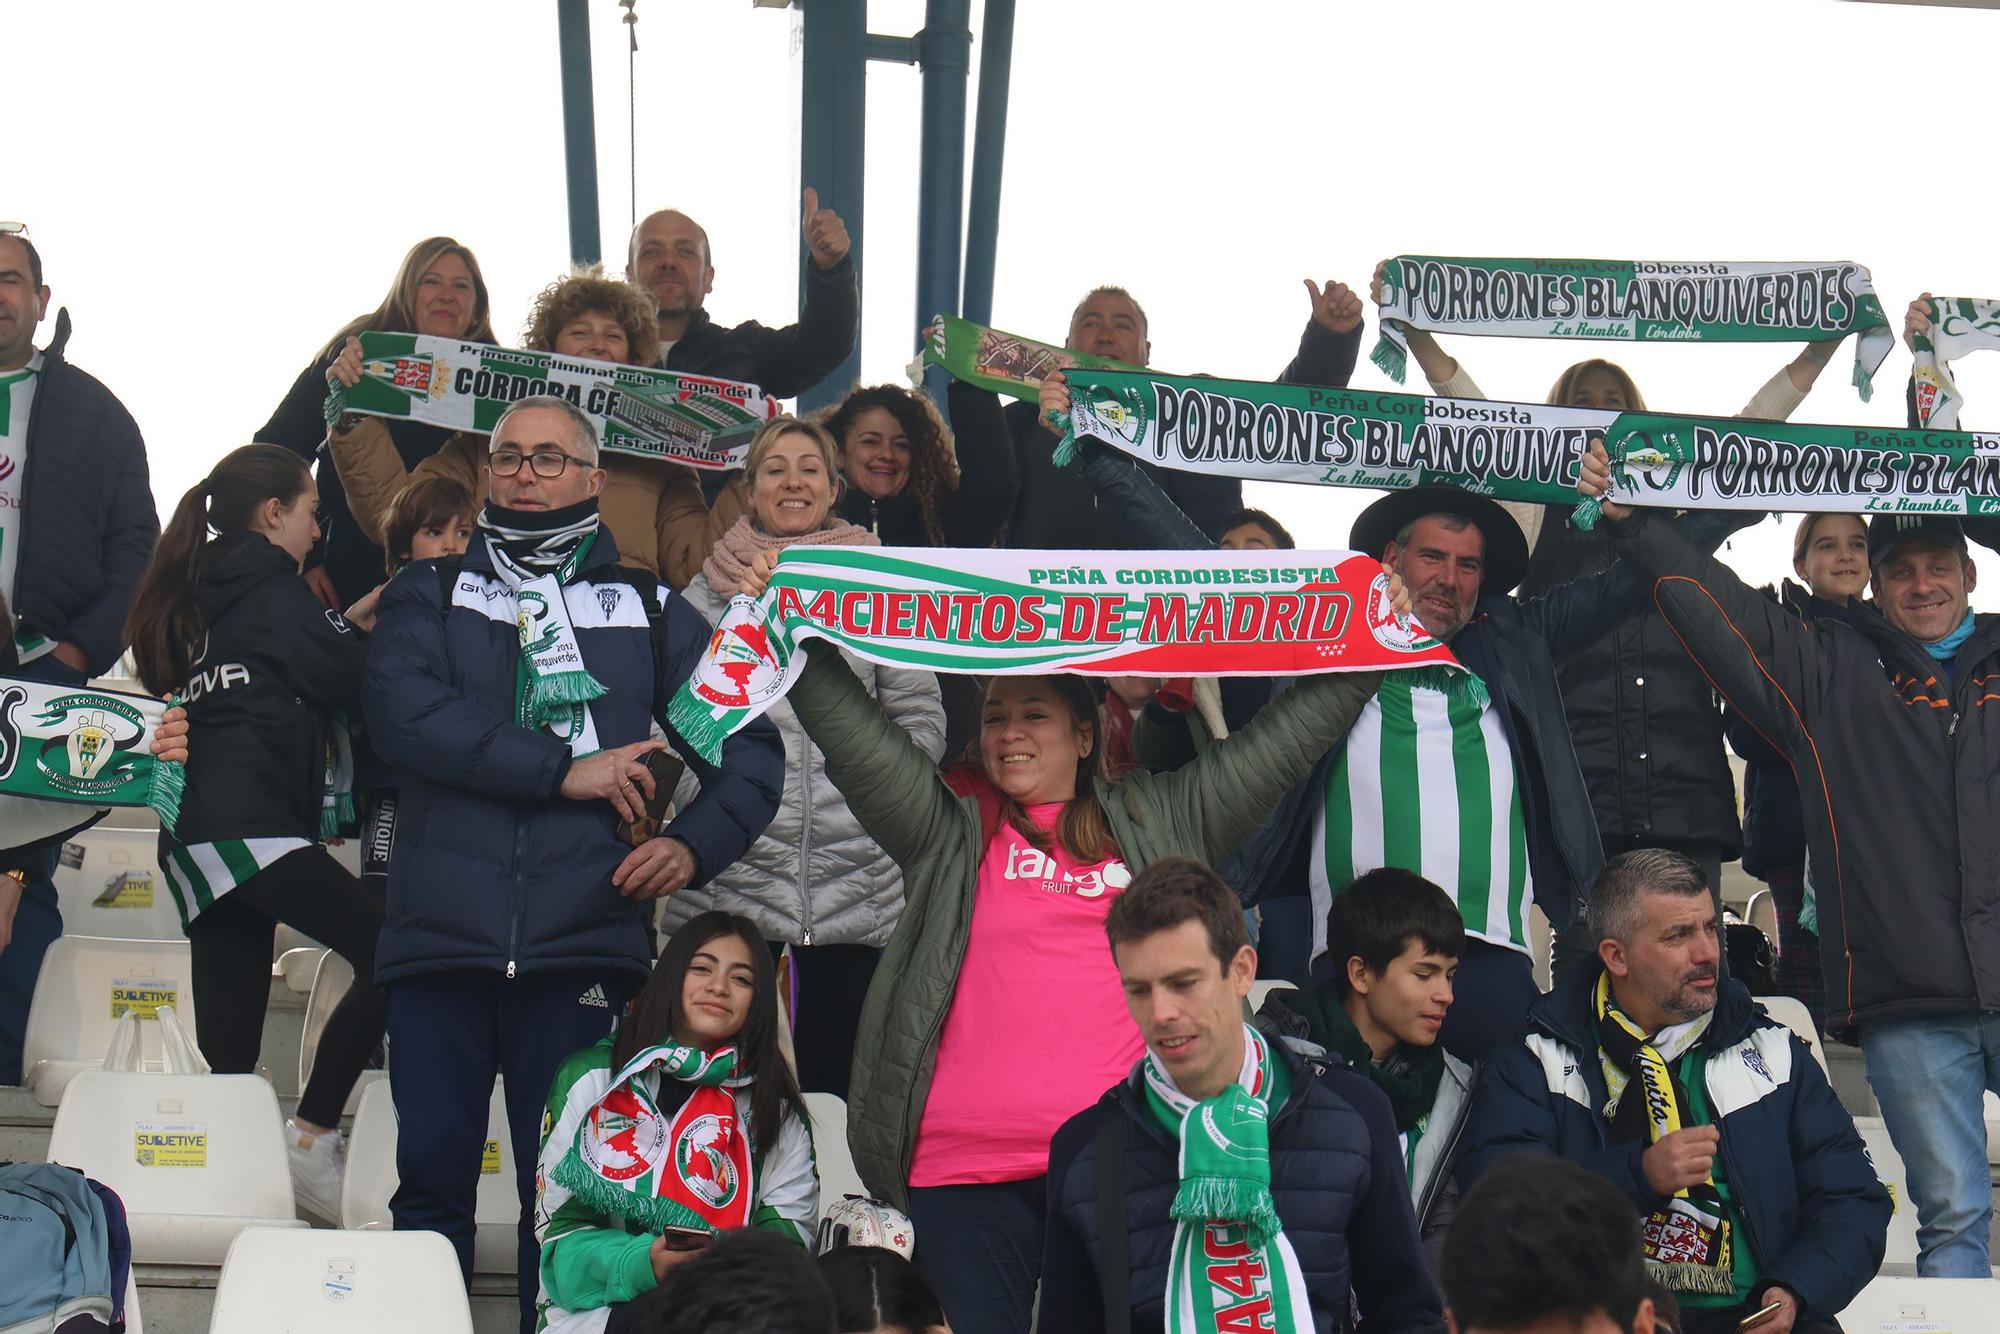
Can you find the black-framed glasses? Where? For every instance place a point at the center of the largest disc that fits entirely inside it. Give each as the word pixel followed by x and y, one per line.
pixel 545 462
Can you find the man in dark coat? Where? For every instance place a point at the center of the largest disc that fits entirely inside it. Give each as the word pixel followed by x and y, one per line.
pixel 1713 1119
pixel 77 526
pixel 516 923
pixel 1321 1146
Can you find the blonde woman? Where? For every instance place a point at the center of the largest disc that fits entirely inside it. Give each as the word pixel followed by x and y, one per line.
pixel 438 291
pixel 814 879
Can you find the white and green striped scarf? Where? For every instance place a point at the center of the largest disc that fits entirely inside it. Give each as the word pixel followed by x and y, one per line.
pixel 1425 781
pixel 552 687
pixel 1232 1267
pixel 1958 325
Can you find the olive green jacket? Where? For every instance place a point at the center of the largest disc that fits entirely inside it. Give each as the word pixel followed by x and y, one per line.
pixel 1202 811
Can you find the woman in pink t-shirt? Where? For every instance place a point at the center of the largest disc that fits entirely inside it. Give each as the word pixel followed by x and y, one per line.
pixel 995 1013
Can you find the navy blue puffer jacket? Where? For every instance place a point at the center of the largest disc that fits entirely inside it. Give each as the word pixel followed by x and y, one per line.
pixel 1337 1178
pixel 87 518
pixel 492 870
pixel 1815 1215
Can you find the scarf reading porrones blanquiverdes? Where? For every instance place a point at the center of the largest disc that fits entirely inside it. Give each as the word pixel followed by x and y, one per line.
pixel 1687 1243
pixel 1232 1267
pixel 1525 452
pixel 1031 613
pixel 1958 325
pixel 66 748
pixel 628 1159
pixel 1636 301
pixel 535 554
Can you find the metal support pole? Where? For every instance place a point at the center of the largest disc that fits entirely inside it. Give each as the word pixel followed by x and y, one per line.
pixel 989 147
pixel 832 140
pixel 586 244
pixel 947 57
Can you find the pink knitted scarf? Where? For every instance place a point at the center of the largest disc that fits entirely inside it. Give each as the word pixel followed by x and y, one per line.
pixel 734 550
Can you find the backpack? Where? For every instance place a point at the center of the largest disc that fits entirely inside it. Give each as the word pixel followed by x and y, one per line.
pixel 57 1245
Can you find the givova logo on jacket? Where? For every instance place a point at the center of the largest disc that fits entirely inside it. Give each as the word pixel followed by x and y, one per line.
pixel 73 741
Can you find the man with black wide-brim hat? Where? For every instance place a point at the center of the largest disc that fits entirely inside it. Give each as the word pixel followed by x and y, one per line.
pixel 1476 790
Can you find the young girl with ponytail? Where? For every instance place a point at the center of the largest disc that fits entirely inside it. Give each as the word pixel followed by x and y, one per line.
pixel 224 620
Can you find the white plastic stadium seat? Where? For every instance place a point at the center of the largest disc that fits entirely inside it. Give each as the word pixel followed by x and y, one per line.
pixel 1762 913
pixel 1900 1257
pixel 108 883
pixel 321 1282
pixel 331 981
pixel 837 1174
pixel 1907 1305
pixel 86 982
pixel 1261 991
pixel 195 1158
pixel 1793 1014
pixel 371 1178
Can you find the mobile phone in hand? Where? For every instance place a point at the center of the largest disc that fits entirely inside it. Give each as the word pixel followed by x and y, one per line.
pixel 686 1238
pixel 1756 1318
pixel 666 768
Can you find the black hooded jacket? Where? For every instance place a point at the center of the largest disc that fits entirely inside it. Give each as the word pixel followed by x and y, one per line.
pixel 274 663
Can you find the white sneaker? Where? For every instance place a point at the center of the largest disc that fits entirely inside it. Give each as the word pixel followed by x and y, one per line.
pixel 317 1164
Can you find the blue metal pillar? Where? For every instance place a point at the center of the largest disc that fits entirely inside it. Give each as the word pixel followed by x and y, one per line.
pixel 946 43
pixel 586 243
pixel 832 143
pixel 989 146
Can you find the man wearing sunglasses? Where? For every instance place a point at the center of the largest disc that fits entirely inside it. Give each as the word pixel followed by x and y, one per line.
pixel 515 687
pixel 77 525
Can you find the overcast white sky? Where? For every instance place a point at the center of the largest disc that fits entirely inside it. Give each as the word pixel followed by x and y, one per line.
pixel 216 187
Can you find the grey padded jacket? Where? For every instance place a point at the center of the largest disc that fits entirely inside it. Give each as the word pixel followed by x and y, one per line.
pixel 814 877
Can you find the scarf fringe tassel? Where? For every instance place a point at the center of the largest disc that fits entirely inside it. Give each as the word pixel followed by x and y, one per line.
pixel 1704 1279
pixel 163 796
pixel 655 1213
pixel 1453 683
pixel 1390 359
pixel 1201 1199
pixel 697 724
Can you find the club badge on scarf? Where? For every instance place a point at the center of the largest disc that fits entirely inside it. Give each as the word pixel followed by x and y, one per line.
pixel 690 419
pixel 84 746
pixel 987 612
pixel 1687 1244
pixel 553 688
pixel 1002 362
pixel 693 1169
pixel 1231 1267
pixel 1636 301
pixel 1958 325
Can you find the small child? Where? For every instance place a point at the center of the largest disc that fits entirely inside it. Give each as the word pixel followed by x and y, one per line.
pixel 428 518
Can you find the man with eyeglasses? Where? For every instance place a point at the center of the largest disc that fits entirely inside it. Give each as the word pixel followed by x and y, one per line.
pixel 77 526
pixel 515 687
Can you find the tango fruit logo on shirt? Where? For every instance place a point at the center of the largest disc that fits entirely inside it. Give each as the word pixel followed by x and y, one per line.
pixel 1030 865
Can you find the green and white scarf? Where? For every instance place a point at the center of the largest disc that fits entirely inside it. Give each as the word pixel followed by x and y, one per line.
pixel 1958 325
pixel 1232 1267
pixel 1002 362
pixel 552 687
pixel 1002 613
pixel 1637 301
pixel 80 746
pixel 695 420
pixel 628 1159
pixel 1525 452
